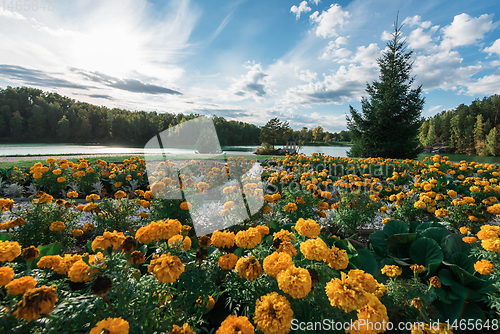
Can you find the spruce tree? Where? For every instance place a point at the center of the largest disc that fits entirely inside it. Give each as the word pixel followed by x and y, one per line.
pixel 389 124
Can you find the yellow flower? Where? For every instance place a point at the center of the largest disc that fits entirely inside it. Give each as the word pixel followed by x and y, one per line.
pixel 20 285
pixel 345 293
pixel 6 275
pixel 441 213
pixel 229 205
pixel 209 305
pixel 491 244
pixel 263 230
pixel 469 240
pixel 234 324
pixel 300 200
pixel 295 281
pixel 290 207
pixel 277 262
pixel 484 267
pixel 228 261
pixel 370 317
pixel 178 241
pixel 159 230
pixel 266 210
pixel 35 302
pixel 92 197
pixel 30 253
pixel 391 270
pixel 435 281
pixel 61 179
pixel 337 258
pixel 81 272
pixel 136 257
pixel 314 249
pixel 185 329
pixel 249 268
pixel 283 235
pixel 223 239
pixel 465 230
pixel 287 247
pixel 120 194
pixel 108 240
pixel 249 238
pixel 185 206
pixel 77 232
pixel 308 228
pixel 273 314
pixel 417 268
pixel 111 326
pixel 166 268
pixel 386 220
pixel 9 250
pixel 420 205
pixel 57 226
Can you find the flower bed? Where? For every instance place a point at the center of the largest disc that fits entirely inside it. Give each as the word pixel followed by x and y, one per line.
pixel 128 259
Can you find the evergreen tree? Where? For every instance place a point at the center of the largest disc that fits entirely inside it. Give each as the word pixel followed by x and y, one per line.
pixel 273 131
pixel 479 136
pixel 492 142
pixel 391 118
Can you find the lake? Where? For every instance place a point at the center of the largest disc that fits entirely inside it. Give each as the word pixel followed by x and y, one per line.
pixel 65 149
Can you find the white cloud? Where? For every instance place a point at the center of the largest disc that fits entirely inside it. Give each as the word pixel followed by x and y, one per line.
pixel 416 21
pixel 494 48
pixel 487 85
pixel 334 52
pixel 419 39
pixel 386 36
pixel 367 56
pixel 11 15
pixel 303 8
pixel 465 30
pixel 329 20
pixel 307 75
pixel 251 84
pixel 443 70
pixel 316 2
pixel 435 108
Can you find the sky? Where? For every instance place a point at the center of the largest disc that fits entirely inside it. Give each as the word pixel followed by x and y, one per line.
pixel 305 62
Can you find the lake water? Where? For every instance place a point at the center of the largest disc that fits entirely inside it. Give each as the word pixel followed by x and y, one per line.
pixel 65 149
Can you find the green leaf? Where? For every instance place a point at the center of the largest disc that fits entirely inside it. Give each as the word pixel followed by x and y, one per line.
pixel 425 251
pixel 368 263
pixel 454 244
pixel 436 233
pixel 413 226
pixel 377 240
pixel 422 227
pixel 467 279
pixel 239 252
pixel 395 227
pixel 4 237
pixel 464 261
pixel 52 249
pixel 398 239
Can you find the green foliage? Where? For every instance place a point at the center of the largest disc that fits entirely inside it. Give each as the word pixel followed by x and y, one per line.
pixel 275 131
pixel 389 124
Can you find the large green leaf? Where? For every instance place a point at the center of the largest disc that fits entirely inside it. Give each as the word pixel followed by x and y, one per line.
pixel 454 243
pixel 377 240
pixel 467 279
pixel 4 237
pixel 395 227
pixel 425 251
pixel 422 227
pixel 464 261
pixel 52 249
pixel 367 261
pixel 436 233
pixel 398 239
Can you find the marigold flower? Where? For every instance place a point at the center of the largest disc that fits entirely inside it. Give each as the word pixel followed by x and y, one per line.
pixel 345 293
pixel 314 249
pixel 370 316
pixel 386 220
pixel 166 268
pixel 159 230
pixel 337 258
pixel 283 235
pixel 308 228
pixel 300 200
pixel 81 272
pixel 420 205
pixel 185 206
pixel 6 275
pixel 35 302
pixel 57 226
pixel 185 329
pixel 209 305
pixel 465 230
pixel 263 230
pixel 20 285
pixel 491 245
pixel 228 261
pixel 88 227
pixel 469 240
pixel 452 193
pixel 435 281
pixel 249 268
pixel 249 238
pixel 234 324
pixel 417 268
pixel 277 262
pixel 441 213
pixel 120 194
pixel 223 239
pixel 9 250
pixel 108 240
pixel 180 241
pixel 391 270
pixel 136 257
pixel 295 281
pixel 290 207
pixel 484 267
pixel 111 326
pixel 266 209
pixel 30 253
pixel 323 206
pixel 77 232
pixel 273 314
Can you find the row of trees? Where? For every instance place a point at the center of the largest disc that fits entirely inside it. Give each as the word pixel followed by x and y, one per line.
pixel 31 115
pixel 278 132
pixel 469 129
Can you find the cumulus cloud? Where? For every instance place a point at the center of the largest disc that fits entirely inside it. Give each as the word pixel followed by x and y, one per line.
pixel 435 108
pixel 316 2
pixel 494 48
pixel 386 36
pixel 334 52
pixel 31 77
pixel 303 8
pixel 251 84
pixel 486 85
pixel 329 20
pixel 442 70
pixel 466 30
pixel 416 21
pixel 422 40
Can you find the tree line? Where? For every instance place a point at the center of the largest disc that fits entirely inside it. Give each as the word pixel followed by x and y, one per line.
pixel 31 115
pixel 472 129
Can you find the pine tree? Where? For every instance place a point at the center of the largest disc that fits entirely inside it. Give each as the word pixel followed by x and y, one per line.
pixel 389 124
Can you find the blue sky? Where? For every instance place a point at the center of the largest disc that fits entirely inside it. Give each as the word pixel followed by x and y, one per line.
pixel 304 62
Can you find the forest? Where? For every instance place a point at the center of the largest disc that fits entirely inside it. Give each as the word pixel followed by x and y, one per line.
pixel 31 115
pixel 472 129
